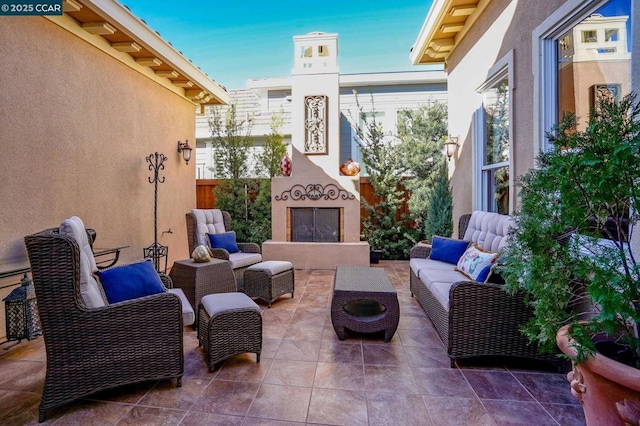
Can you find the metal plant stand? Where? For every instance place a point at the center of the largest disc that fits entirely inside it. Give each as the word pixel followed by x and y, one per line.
pixel 156 251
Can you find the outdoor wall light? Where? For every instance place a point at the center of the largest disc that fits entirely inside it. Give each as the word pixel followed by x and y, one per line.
pixel 451 146
pixel 185 149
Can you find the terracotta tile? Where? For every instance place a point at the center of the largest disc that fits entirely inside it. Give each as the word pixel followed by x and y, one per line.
pixel 396 409
pixel 389 379
pixel 566 415
pixel 336 351
pixel 339 376
pixel 274 332
pixel 139 415
pixel 167 395
pixel 413 321
pixel 194 418
pixel 517 412
pixel 227 397
pixel 427 357
pixel 496 385
pixel 22 376
pixel 244 368
pixel 452 411
pixel 420 337
pixel 21 408
pixel 310 316
pixel 442 382
pixel 292 373
pixel 551 388
pixel 338 407
pixel 303 332
pixel 384 355
pixel 195 364
pixel 128 394
pixel 281 403
pixel 89 413
pixel 298 350
pixel 252 421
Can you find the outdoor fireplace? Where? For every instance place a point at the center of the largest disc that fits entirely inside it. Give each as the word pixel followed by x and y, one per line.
pixel 315 224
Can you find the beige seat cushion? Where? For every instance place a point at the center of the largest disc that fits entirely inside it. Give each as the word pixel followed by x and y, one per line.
pixel 272 267
pixel 188 316
pixel 489 230
pixel 240 259
pixel 218 303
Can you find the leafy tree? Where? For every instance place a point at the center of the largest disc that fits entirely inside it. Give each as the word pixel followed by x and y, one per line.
pixel 274 148
pixel 439 214
pixel 422 133
pixel 384 166
pixel 232 141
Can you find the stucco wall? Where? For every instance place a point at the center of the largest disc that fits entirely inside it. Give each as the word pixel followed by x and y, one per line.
pixel 76 128
pixel 503 27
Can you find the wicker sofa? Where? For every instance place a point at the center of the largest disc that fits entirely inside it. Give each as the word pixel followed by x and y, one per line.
pixel 473 319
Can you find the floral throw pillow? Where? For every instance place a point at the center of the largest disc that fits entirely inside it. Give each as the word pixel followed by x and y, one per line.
pixel 474 261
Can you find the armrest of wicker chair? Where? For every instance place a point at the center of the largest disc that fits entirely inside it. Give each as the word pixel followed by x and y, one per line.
pixel 420 250
pixel 166 280
pixel 249 247
pixel 219 253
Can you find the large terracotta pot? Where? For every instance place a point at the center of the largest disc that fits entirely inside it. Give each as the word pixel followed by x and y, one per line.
pixel 609 391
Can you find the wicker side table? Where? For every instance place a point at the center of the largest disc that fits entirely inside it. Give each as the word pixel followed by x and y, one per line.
pixel 269 280
pixel 199 279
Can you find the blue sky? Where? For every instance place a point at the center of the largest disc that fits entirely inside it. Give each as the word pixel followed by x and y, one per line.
pixel 235 40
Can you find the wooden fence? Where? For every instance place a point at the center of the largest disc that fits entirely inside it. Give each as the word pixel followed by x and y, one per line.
pixel 205 199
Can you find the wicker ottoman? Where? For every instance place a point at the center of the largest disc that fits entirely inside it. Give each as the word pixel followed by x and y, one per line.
pixel 229 324
pixel 269 280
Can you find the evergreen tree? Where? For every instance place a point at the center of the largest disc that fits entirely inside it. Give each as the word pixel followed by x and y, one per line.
pixel 439 217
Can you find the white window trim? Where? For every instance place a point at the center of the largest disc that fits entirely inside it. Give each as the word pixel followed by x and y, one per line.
pixel 544 66
pixel 503 67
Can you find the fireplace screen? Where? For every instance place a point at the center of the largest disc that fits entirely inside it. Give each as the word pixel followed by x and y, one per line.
pixel 315 225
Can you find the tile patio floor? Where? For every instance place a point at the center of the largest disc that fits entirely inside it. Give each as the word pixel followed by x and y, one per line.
pixel 306 375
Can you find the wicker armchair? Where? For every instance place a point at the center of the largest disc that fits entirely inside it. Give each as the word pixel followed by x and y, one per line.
pixel 250 252
pixel 92 349
pixel 482 320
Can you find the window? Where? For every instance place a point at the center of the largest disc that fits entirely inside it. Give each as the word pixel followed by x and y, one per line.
pixel 611 35
pixel 589 36
pixel 582 46
pixel 323 50
pixel 493 149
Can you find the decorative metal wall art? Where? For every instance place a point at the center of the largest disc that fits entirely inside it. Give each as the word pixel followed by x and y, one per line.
pixel 315 191
pixel 315 123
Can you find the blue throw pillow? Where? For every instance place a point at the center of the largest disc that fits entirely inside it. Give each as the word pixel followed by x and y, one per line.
pixel 484 274
pixel 130 281
pixel 224 240
pixel 447 249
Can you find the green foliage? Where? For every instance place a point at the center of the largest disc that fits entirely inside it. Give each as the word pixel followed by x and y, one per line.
pixel 589 177
pixel 260 213
pixel 232 196
pixel 274 148
pixel 439 214
pixel 422 133
pixel 383 163
pixel 232 140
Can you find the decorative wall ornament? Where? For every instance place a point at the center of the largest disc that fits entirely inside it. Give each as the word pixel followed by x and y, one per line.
pixel 315 123
pixel 350 168
pixel 576 380
pixel 285 165
pixel 315 191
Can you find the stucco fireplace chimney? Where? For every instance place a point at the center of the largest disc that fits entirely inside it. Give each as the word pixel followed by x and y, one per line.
pixel 315 183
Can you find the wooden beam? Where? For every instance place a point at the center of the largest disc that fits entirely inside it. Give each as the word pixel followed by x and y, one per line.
pixel 99 28
pixel 149 62
pixel 442 44
pixel 167 73
pixel 71 6
pixel 182 83
pixel 451 28
pixel 127 46
pixel 464 10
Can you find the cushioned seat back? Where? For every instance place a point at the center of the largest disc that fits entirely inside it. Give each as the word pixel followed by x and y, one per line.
pixel 489 230
pixel 89 287
pixel 208 222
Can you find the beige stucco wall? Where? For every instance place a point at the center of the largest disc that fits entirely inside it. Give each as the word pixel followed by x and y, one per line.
pixel 504 26
pixel 76 128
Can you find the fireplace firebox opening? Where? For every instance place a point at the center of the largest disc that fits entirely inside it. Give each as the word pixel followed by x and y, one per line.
pixel 315 224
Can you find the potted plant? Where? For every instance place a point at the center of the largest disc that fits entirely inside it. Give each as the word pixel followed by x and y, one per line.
pixel 572 252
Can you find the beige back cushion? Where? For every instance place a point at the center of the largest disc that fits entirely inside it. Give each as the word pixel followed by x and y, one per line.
pixel 89 288
pixel 489 230
pixel 208 222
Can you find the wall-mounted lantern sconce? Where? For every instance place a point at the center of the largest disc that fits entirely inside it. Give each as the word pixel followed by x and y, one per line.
pixel 185 149
pixel 451 146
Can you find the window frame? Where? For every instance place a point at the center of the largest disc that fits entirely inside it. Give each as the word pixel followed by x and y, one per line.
pixel 544 60
pixel 502 69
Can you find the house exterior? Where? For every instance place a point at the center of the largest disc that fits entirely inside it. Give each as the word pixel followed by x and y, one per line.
pixel 390 92
pixel 86 97
pixel 514 67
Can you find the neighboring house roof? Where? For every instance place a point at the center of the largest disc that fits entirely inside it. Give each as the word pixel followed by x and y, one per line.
pixel 446 24
pixel 111 27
